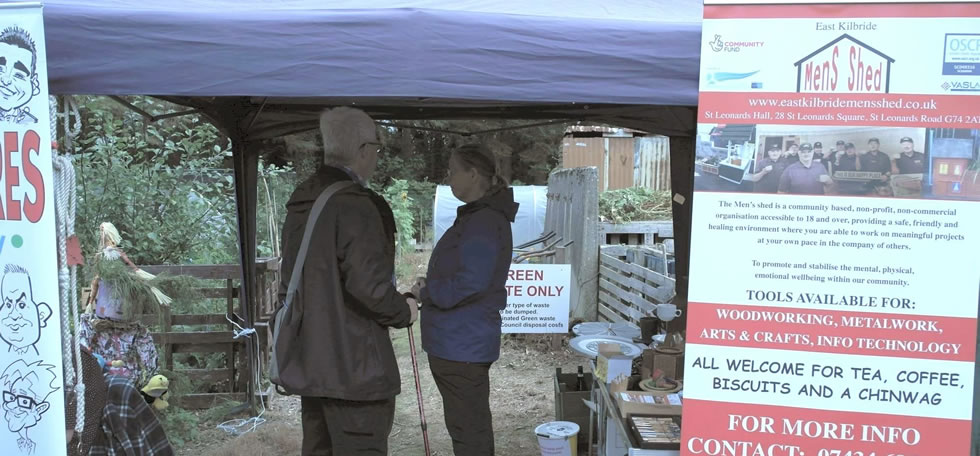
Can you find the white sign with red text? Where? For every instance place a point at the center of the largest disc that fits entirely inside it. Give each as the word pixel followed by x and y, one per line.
pixel 834 285
pixel 31 377
pixel 537 298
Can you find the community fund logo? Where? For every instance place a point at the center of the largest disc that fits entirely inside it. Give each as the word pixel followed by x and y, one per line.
pixel 719 45
pixel 844 65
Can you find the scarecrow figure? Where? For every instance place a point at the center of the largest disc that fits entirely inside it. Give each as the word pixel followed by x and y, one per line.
pixel 110 326
pixel 118 283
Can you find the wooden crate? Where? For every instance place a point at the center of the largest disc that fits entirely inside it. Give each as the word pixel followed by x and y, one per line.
pixel 635 233
pixel 627 290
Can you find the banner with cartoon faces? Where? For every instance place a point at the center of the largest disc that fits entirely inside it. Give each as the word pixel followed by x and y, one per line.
pixel 31 376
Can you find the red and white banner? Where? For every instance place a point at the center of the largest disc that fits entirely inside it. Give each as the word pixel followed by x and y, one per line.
pixel 31 374
pixel 834 283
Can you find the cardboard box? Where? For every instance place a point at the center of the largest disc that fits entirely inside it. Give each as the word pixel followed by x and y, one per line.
pixel 570 405
pixel 670 361
pixel 648 403
pixel 612 366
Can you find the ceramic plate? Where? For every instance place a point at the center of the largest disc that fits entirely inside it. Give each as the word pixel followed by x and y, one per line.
pixel 627 330
pixel 590 328
pixel 588 345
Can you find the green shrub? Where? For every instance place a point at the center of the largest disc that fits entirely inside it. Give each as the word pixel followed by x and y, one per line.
pixel 396 194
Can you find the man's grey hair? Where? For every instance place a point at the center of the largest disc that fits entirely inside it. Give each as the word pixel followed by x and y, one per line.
pixel 344 130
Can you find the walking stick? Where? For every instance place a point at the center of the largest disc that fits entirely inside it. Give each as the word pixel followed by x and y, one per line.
pixel 418 390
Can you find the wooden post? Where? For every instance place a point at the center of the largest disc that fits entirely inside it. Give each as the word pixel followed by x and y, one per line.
pixel 168 347
pixel 682 150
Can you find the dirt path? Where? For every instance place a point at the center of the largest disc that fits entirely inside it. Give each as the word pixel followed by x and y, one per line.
pixel 521 397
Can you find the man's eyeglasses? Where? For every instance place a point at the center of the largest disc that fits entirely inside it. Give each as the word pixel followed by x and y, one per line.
pixel 24 402
pixel 375 144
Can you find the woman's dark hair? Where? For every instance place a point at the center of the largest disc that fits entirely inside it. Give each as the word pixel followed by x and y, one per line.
pixel 478 157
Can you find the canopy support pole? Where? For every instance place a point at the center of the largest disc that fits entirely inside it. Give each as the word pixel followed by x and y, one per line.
pixel 682 151
pixel 229 118
pixel 245 160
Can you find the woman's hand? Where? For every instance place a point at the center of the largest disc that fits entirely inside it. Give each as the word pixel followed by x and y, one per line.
pixel 417 288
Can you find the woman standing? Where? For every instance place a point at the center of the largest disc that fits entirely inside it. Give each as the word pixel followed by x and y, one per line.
pixel 463 294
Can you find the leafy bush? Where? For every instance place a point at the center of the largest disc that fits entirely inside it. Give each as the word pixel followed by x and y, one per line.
pixel 634 204
pixel 401 206
pixel 275 186
pixel 163 185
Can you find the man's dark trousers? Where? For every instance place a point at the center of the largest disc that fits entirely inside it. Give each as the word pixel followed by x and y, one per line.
pixel 335 427
pixel 465 389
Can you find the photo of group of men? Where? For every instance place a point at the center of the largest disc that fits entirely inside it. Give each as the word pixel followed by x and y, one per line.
pixel 845 169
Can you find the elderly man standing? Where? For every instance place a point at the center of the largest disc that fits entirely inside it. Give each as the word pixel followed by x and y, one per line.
pixel 346 295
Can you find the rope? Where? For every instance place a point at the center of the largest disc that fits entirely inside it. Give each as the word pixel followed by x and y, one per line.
pixel 65 206
pixel 241 426
pixel 71 131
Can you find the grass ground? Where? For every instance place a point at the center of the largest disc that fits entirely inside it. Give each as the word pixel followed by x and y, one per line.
pixel 521 397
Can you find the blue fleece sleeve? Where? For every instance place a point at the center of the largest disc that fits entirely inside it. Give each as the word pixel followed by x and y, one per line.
pixel 478 251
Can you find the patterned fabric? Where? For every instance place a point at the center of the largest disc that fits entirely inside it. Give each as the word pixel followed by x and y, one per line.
pixel 129 426
pixel 95 398
pixel 128 348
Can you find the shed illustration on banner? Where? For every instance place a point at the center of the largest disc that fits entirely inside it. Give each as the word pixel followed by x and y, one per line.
pixel 844 65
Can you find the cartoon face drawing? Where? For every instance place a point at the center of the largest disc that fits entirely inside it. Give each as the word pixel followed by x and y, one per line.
pixel 21 318
pixel 18 72
pixel 25 389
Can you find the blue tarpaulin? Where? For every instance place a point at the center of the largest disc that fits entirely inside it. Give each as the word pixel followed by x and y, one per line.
pixel 265 68
pixel 639 52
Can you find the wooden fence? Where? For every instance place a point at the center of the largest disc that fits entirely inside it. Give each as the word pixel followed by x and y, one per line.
pixel 195 338
pixel 573 214
pixel 632 282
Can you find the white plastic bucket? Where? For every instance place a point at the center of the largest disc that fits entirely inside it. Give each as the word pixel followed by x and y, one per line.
pixel 558 438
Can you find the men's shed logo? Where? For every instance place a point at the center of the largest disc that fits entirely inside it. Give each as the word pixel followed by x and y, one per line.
pixel 719 45
pixel 844 65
